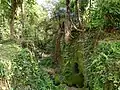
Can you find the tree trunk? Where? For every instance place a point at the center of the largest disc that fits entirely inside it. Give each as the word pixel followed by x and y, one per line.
pixel 14 5
pixel 22 14
pixel 12 16
pixel 68 23
pixel 57 44
pixel 12 26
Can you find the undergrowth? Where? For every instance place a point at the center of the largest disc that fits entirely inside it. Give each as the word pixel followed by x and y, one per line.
pixel 104 66
pixel 22 70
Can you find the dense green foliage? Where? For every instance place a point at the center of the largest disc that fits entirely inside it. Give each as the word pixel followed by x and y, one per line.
pixel 57 45
pixel 28 74
pixel 104 14
pixel 23 70
pixel 105 65
pixel 8 51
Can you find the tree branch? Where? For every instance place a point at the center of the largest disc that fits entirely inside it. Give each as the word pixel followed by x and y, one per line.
pixel 75 27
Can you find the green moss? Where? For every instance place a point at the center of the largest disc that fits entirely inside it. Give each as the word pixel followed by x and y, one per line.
pixel 76 79
pixel 57 79
pixel 80 60
pixel 73 78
